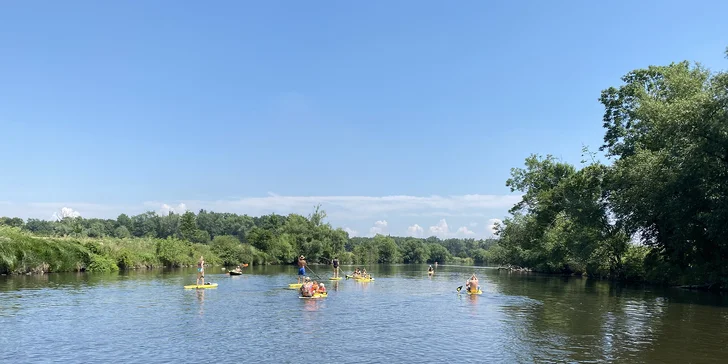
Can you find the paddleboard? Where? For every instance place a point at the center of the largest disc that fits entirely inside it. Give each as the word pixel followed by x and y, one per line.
pixel 335 278
pixel 200 286
pixel 479 292
pixel 295 285
pixel 317 295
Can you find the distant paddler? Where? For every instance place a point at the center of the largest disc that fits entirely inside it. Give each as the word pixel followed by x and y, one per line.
pixel 472 285
pixel 430 270
pixel 301 268
pixel 335 263
pixel 201 271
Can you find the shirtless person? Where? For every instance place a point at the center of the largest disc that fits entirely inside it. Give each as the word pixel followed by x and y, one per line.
pixel 301 268
pixel 472 285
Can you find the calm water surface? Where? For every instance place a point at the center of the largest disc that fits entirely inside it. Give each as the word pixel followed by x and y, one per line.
pixel 403 316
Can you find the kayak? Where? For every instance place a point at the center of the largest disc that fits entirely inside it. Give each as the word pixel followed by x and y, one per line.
pixel 234 273
pixel 317 295
pixel 479 292
pixel 295 285
pixel 200 286
pixel 334 278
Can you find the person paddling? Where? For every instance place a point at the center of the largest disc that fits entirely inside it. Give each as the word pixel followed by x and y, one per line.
pixel 430 270
pixel 301 268
pixel 335 263
pixel 201 271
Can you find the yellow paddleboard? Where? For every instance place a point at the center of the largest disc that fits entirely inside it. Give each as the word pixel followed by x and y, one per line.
pixel 363 279
pixel 479 292
pixel 295 285
pixel 317 295
pixel 334 278
pixel 200 286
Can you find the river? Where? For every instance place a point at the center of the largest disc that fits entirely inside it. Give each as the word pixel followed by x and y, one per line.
pixel 402 316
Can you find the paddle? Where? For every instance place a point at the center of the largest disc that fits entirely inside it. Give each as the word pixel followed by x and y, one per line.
pixel 317 276
pixel 459 288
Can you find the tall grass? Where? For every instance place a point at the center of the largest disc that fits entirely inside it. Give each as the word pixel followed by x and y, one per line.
pixel 22 252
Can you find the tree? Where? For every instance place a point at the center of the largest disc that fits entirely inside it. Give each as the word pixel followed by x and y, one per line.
pixel 388 251
pixel 124 220
pixel 12 221
pixel 187 225
pixel 122 232
pixel 667 126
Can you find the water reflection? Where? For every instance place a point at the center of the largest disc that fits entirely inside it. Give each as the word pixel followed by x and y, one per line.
pixel 201 301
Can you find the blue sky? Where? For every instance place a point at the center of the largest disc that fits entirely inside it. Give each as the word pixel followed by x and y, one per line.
pixel 396 116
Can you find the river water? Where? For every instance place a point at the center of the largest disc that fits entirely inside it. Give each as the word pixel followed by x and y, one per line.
pixel 403 316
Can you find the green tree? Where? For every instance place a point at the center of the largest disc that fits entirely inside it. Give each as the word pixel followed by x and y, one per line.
pixel 122 232
pixel 667 126
pixel 187 225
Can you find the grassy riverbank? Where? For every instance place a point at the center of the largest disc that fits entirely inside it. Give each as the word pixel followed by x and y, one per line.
pixel 22 252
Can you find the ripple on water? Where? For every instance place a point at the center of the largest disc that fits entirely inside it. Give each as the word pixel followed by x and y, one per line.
pixel 400 317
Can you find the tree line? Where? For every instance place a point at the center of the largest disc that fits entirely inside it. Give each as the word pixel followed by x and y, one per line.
pixel 658 211
pixel 268 239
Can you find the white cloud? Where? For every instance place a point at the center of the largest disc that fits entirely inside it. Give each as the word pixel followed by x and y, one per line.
pixel 351 232
pixel 359 207
pixel 415 230
pixel 463 231
pixel 65 212
pixel 166 209
pixel 441 229
pixel 380 227
pixel 491 226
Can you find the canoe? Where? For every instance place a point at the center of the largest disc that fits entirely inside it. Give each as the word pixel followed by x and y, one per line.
pixel 334 278
pixel 479 292
pixel 364 279
pixel 317 295
pixel 200 286
pixel 295 285
pixel 234 273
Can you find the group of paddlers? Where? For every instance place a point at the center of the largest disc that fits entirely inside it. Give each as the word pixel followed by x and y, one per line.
pixel 361 274
pixel 309 288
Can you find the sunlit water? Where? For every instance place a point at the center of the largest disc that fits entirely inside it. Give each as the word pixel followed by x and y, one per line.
pixel 403 316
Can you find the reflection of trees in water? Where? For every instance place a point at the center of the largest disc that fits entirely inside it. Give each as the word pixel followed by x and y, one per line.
pixel 580 319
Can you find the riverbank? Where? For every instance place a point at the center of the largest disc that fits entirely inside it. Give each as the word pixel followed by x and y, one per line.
pixel 24 253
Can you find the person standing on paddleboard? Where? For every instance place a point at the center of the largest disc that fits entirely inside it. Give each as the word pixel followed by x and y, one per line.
pixel 201 270
pixel 301 268
pixel 335 262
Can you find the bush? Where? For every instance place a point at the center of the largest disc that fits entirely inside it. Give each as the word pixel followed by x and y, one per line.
pixel 173 252
pixel 102 264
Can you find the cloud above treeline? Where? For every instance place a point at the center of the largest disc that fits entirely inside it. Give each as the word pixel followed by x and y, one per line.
pixel 475 214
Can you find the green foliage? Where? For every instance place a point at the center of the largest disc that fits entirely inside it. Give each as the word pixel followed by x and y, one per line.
pixel 100 263
pixel 174 252
pixel 229 249
pixel 122 232
pixel 187 226
pixel 667 129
